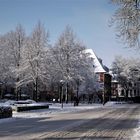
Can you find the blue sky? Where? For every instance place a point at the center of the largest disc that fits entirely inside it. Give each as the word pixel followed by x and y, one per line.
pixel 88 18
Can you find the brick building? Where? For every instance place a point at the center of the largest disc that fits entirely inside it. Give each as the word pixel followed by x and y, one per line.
pixel 103 77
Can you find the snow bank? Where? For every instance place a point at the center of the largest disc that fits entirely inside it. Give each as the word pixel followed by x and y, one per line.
pixel 117 104
pixel 53 109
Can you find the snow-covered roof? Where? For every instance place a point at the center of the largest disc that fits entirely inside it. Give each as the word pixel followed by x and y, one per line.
pixel 99 68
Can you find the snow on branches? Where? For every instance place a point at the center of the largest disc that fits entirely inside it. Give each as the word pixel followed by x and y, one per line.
pixel 127 21
pixel 30 61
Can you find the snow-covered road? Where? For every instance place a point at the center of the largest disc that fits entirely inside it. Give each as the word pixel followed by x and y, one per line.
pixel 112 121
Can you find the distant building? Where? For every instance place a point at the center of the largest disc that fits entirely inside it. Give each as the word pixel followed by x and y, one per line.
pixel 130 92
pixel 114 89
pixel 103 76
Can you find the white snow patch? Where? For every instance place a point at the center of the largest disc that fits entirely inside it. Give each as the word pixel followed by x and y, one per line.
pixel 54 108
pixel 116 103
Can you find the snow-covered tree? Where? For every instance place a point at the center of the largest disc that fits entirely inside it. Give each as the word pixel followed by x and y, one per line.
pixel 32 59
pixel 13 42
pixel 126 71
pixel 70 59
pixel 127 21
pixel 123 67
pixel 118 68
pixel 6 75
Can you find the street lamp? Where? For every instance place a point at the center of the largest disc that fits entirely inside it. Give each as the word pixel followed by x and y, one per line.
pixel 1 89
pixel 62 83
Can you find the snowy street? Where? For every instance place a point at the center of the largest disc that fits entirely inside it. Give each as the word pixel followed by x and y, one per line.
pixel 84 122
pixel 70 70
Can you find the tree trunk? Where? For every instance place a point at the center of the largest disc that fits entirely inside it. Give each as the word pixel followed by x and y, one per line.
pixel 60 92
pixel 77 94
pixel 67 92
pixel 35 93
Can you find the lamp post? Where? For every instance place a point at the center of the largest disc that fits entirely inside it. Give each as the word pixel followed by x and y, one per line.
pixel 62 83
pixel 1 83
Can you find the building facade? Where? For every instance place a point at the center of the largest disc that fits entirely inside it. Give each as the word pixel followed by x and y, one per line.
pixel 103 77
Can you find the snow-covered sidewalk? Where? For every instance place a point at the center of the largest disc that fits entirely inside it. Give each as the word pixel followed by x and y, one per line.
pixel 54 108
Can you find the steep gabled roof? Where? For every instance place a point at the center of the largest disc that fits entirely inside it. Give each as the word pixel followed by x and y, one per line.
pixel 97 64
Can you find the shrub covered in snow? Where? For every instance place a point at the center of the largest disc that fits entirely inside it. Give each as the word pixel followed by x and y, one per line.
pixel 26 107
pixel 13 102
pixel 5 112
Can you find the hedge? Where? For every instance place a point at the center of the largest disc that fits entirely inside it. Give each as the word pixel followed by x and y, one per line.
pixel 29 107
pixel 5 112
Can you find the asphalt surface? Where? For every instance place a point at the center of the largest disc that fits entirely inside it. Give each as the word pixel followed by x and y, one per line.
pixel 105 123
